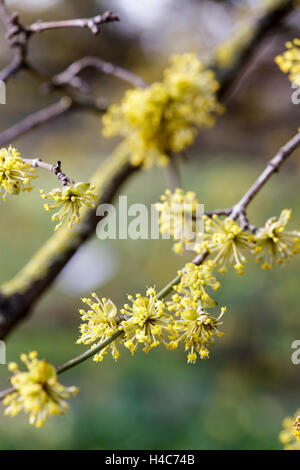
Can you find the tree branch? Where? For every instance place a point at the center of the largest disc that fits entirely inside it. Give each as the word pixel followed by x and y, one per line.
pixel 63 106
pixel 56 169
pixel 34 120
pixel 273 166
pixel 67 76
pixel 93 24
pixel 19 295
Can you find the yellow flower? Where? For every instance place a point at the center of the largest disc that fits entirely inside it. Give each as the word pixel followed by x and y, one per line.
pixel 101 324
pixel 290 435
pixel 274 243
pixel 296 428
pixel 289 61
pixel 195 328
pixel 145 321
pixel 226 242
pixel 194 280
pixel 37 391
pixel 70 199
pixel 165 117
pixel 15 174
pixel 177 213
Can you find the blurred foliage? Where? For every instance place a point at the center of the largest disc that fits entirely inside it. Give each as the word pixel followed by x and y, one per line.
pixel 238 398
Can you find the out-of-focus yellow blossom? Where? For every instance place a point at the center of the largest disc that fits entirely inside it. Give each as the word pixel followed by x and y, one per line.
pixel 165 117
pixel 70 199
pixel 101 324
pixel 274 243
pixel 146 321
pixel 194 280
pixel 226 242
pixel 196 328
pixel 296 428
pixel 290 435
pixel 289 61
pixel 37 391
pixel 15 174
pixel 177 213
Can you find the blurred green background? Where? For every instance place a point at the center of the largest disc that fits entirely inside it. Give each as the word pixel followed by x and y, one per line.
pixel 238 398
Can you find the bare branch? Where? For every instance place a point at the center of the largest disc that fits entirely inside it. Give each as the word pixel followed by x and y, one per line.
pixel 4 14
pixel 63 106
pixel 93 24
pixel 272 167
pixel 34 120
pixel 56 169
pixel 11 69
pixel 67 76
pixel 19 295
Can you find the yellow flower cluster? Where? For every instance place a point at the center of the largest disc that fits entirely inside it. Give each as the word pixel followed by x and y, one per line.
pixel 177 217
pixel 196 329
pixel 101 323
pixel 15 174
pixel 290 435
pixel 226 242
pixel 37 391
pixel 69 199
pixel 193 283
pixel 274 244
pixel 145 321
pixel 165 117
pixel 149 321
pixel 289 61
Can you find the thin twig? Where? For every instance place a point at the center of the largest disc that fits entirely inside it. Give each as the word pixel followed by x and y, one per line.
pixel 56 169
pixel 272 167
pixel 34 120
pixel 88 354
pixel 48 113
pixel 3 393
pixel 68 75
pixel 93 24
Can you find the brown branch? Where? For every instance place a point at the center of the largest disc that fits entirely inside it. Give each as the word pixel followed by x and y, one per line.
pixel 93 24
pixel 3 393
pixel 11 69
pixel 239 209
pixel 67 76
pixel 56 169
pixel 15 306
pixel 61 107
pixel 34 120
pixel 4 14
